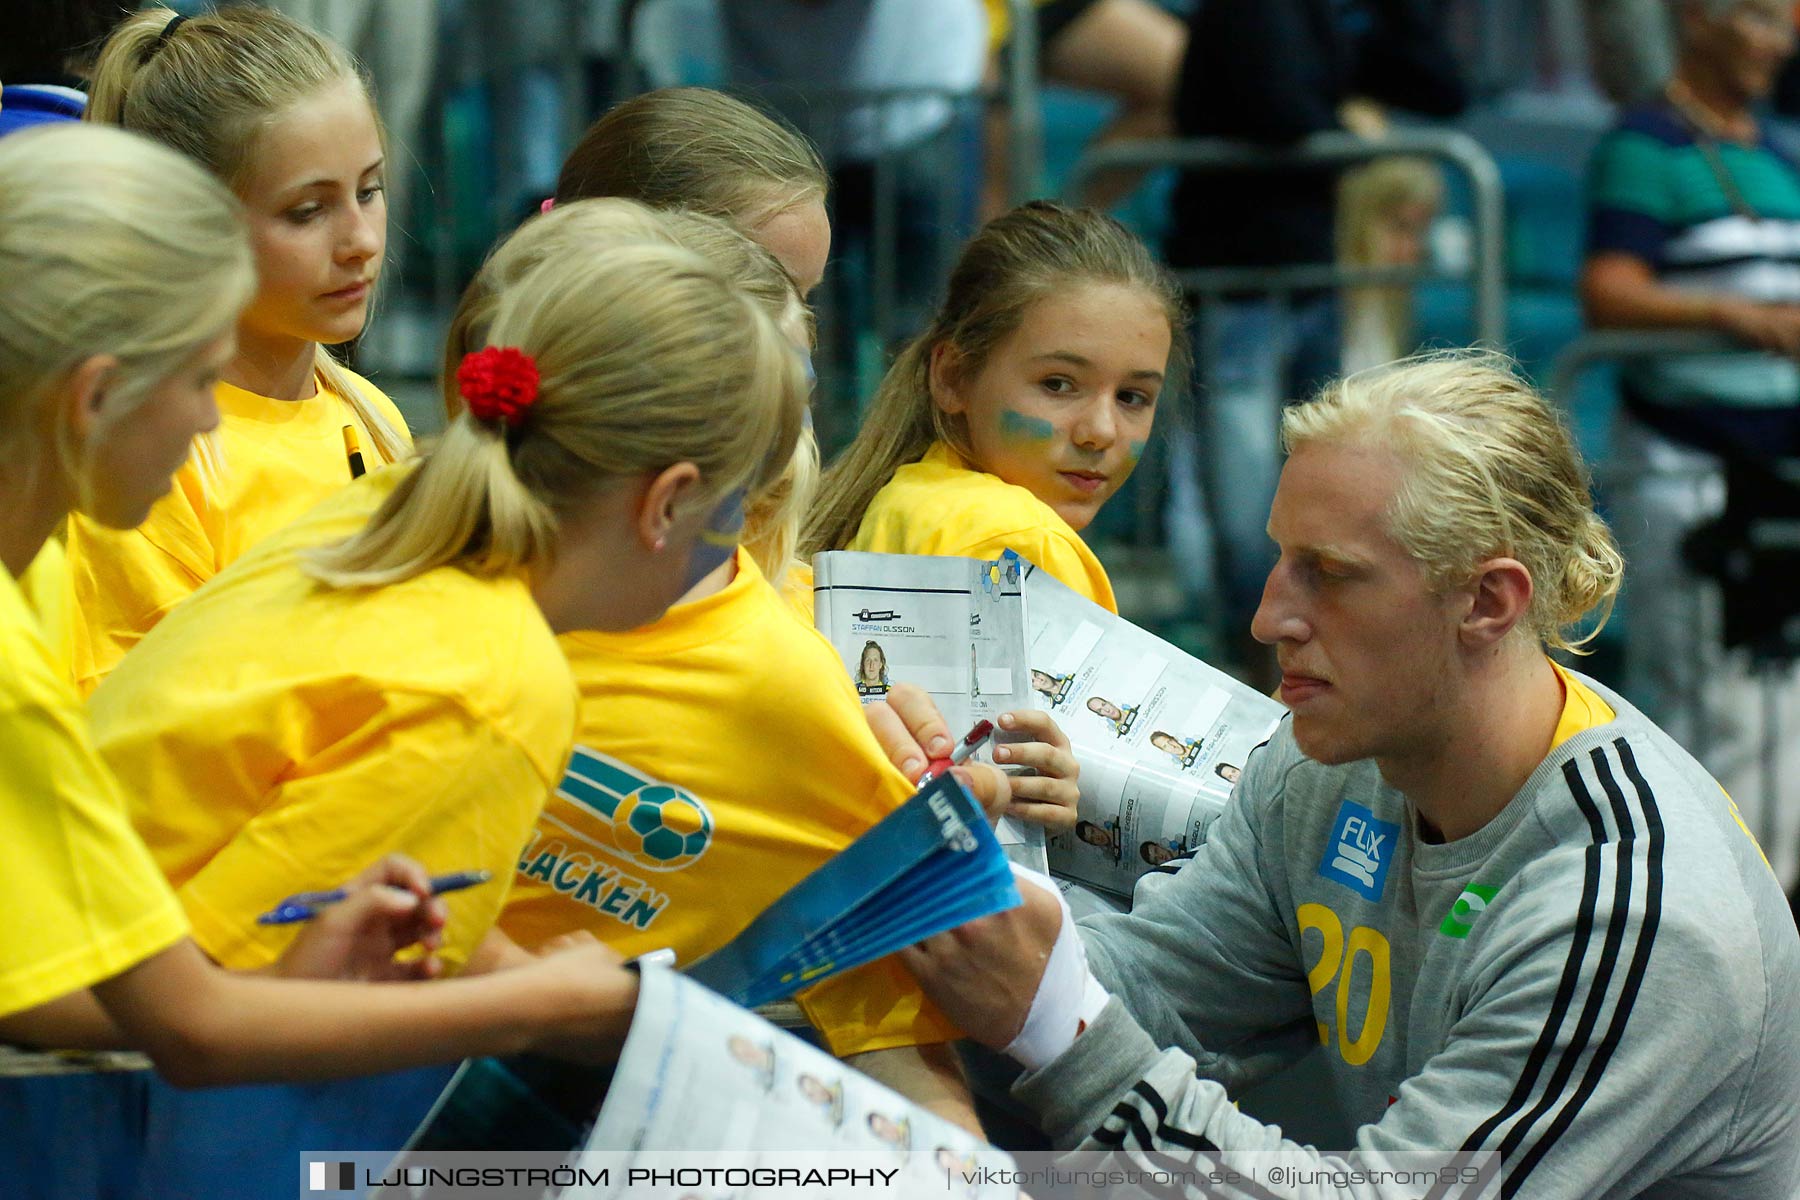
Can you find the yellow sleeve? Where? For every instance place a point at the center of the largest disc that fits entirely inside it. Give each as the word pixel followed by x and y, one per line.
pixel 425 777
pixel 125 581
pixel 797 590
pixel 879 1005
pixel 82 899
pixel 875 1007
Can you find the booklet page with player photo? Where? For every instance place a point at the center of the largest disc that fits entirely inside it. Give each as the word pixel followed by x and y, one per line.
pixel 953 626
pixel 1161 736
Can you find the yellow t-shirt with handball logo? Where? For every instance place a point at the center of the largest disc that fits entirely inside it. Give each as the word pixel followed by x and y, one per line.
pixel 941 505
pixel 277 736
pixel 83 899
pixel 722 757
pixel 270 461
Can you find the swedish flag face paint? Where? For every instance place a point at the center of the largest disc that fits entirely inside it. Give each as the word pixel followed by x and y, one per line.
pixel 812 385
pixel 1063 405
pixel 718 539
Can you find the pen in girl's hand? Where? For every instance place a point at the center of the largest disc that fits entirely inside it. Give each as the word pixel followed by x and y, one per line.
pixel 305 905
pixel 972 741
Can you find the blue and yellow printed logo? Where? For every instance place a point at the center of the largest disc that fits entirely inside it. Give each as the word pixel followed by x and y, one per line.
pixel 652 825
pixel 1360 850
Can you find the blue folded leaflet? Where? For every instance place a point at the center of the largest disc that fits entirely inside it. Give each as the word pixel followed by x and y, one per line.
pixel 930 865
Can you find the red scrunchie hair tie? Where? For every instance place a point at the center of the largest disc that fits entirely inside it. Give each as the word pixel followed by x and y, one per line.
pixel 499 383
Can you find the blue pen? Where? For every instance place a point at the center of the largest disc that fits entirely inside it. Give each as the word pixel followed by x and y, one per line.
pixel 306 905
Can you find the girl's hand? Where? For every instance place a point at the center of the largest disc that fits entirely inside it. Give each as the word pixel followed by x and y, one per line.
pixel 912 732
pixel 389 909
pixel 590 998
pixel 1047 798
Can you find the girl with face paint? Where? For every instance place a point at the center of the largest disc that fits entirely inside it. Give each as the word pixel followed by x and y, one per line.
pixel 788 772
pixel 384 675
pixel 99 404
pixel 1024 407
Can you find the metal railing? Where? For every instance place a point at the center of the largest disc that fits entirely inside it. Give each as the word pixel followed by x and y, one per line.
pixel 1487 269
pixel 1616 346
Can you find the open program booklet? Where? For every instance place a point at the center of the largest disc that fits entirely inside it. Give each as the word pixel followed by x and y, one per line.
pixel 1160 735
pixel 700 1074
pixel 952 626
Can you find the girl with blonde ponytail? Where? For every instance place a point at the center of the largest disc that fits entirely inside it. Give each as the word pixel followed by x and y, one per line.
pixel 383 675
pixel 122 270
pixel 281 116
pixel 728 699
pixel 699 150
pixel 1023 407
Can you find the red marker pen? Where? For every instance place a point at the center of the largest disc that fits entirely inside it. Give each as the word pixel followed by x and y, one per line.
pixel 976 738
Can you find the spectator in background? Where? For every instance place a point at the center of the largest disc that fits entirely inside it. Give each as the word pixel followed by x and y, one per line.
pixel 1272 71
pixel 1385 212
pixel 45 59
pixel 823 64
pixel 1694 220
pixel 1127 50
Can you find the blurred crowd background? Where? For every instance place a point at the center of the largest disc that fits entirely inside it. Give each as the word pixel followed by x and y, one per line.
pixel 1602 188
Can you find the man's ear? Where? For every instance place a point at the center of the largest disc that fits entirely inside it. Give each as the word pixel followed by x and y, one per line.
pixel 661 500
pixel 945 373
pixel 1499 597
pixel 84 397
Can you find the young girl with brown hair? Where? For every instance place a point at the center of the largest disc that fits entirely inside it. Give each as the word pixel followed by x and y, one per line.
pixel 1022 409
pixel 283 117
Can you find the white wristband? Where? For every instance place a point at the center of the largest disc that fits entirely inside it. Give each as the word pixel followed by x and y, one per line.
pixel 1068 996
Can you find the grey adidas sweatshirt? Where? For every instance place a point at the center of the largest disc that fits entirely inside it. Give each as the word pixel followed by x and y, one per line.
pixel 1603 983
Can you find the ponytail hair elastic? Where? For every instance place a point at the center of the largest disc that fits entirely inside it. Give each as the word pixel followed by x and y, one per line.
pixel 168 31
pixel 499 383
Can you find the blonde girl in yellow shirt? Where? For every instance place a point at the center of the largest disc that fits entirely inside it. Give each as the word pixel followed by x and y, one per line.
pixel 122 271
pixel 281 115
pixel 1023 407
pixel 793 773
pixel 383 675
pixel 699 150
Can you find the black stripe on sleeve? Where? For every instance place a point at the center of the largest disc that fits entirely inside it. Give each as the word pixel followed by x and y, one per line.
pixel 1173 1134
pixel 1169 1134
pixel 1571 975
pixel 1595 1003
pixel 1634 975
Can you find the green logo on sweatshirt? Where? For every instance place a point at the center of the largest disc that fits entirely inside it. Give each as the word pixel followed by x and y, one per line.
pixel 1461 917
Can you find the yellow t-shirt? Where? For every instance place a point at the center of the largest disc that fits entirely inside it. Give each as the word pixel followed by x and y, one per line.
pixel 82 899
pixel 274 460
pixel 51 598
pixel 741 721
pixel 278 736
pixel 941 505
pixel 1582 708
